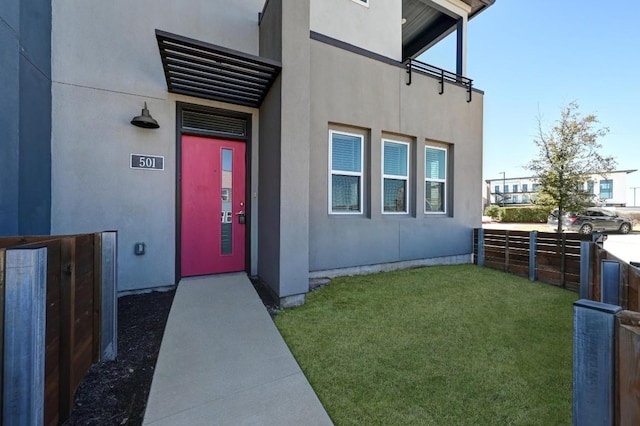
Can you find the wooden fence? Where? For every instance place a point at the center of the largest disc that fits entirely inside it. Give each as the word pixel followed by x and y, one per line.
pixel 546 256
pixel 68 297
pixel 606 352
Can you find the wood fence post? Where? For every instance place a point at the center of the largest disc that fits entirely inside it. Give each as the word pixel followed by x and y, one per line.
pixel 585 264
pixel 67 318
pixel 593 363
pixel 109 297
pixel 628 368
pixel 506 251
pixel 480 246
pixel 533 239
pixel 24 345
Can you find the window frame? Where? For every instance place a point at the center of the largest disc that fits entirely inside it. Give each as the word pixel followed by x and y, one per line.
pixel 445 205
pixel 396 177
pixel 364 3
pixel 332 172
pixel 609 189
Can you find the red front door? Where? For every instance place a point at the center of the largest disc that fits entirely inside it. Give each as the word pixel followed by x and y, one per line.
pixel 213 206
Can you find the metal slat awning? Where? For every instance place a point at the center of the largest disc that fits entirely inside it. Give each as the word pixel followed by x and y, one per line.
pixel 204 70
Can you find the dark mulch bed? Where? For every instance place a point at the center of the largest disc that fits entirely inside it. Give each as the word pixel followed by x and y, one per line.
pixel 115 392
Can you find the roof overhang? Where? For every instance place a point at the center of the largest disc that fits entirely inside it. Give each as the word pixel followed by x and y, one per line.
pixel 205 70
pixel 427 23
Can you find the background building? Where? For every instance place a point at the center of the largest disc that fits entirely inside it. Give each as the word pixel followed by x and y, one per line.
pixel 609 190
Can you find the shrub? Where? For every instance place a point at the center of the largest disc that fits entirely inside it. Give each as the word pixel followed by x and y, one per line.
pixel 525 214
pixel 635 217
pixel 492 211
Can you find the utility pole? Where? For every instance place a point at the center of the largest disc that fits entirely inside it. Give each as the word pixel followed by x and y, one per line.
pixel 634 195
pixel 504 181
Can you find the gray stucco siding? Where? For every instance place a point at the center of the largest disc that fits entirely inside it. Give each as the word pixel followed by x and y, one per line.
pixel 95 189
pixel 35 150
pixel 112 46
pixel 9 123
pixel 105 65
pixel 25 117
pixel 371 97
pixel 284 156
pixel 375 27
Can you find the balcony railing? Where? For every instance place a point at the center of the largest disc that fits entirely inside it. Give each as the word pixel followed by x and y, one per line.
pixel 413 65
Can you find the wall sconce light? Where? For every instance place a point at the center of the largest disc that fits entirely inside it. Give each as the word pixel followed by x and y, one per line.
pixel 145 120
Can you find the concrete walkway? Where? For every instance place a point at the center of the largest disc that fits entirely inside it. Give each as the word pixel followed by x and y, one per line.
pixel 223 362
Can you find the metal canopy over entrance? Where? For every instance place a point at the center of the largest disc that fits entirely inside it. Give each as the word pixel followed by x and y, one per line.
pixel 204 70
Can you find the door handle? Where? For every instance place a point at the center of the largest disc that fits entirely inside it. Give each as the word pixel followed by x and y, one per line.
pixel 241 217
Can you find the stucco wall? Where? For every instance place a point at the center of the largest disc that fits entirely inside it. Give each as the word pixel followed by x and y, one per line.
pixel 9 116
pixel 284 154
pixel 106 64
pixel 269 155
pixel 376 28
pixel 25 117
pixel 372 98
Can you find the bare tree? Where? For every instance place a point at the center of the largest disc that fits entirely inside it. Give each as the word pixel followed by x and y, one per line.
pixel 569 154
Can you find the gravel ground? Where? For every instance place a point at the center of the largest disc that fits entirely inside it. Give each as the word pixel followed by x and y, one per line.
pixel 115 392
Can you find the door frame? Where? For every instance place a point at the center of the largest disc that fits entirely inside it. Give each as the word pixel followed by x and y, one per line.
pixel 181 131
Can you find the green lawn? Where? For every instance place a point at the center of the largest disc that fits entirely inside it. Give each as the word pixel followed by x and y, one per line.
pixel 447 345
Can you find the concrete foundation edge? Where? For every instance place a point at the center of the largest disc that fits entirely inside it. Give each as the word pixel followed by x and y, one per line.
pixel 392 266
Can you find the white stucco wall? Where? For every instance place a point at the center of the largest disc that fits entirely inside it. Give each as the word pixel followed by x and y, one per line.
pixel 377 28
pixel 619 179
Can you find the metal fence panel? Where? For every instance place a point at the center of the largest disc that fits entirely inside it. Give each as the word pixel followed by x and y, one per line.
pixel 25 312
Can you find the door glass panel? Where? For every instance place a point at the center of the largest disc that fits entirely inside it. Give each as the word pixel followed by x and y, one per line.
pixel 226 192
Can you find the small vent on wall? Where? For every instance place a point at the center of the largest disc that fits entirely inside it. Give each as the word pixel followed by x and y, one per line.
pixel 202 122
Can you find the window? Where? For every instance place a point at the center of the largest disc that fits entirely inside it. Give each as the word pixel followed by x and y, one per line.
pixel 345 164
pixel 506 189
pixel 535 187
pixel 362 2
pixel 590 186
pixel 525 198
pixel 516 199
pixel 515 188
pixel 395 177
pixel 606 188
pixel 525 187
pixel 496 189
pixel 435 185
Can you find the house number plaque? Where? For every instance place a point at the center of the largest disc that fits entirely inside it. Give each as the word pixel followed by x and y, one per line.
pixel 147 162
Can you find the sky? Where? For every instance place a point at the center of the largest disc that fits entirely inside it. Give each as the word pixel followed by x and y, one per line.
pixel 531 58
